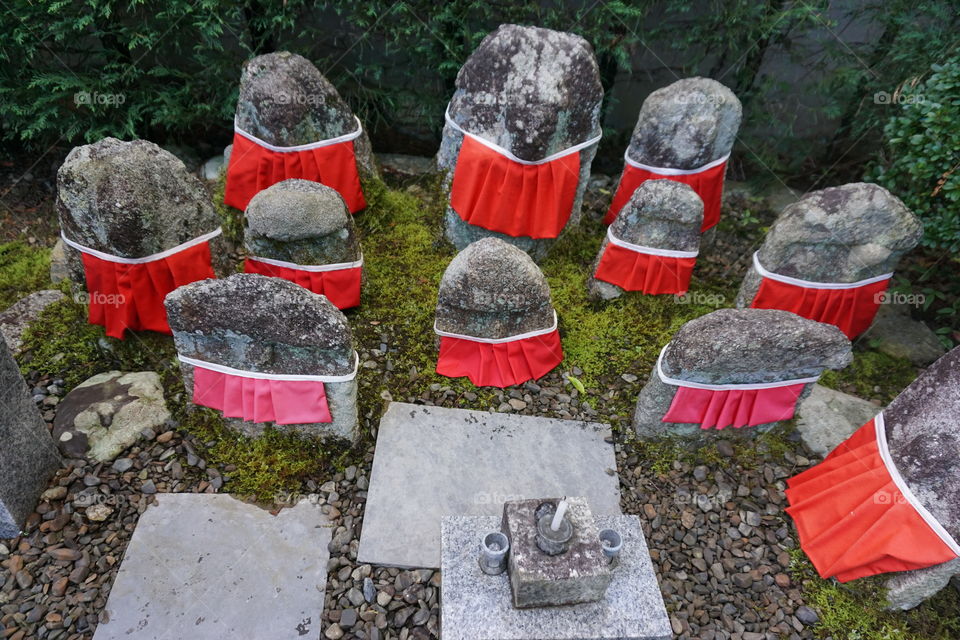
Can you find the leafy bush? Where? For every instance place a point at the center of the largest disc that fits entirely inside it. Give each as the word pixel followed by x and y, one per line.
pixel 921 163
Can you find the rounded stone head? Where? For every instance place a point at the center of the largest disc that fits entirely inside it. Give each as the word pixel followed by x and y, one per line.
pixel 492 289
pixel 841 234
pixel 742 346
pixel 686 125
pixel 301 221
pixel 531 90
pixel 286 101
pixel 130 199
pixel 661 213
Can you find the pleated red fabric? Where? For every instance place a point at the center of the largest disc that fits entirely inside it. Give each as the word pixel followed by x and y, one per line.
pixel 713 408
pixel 651 274
pixel 492 191
pixel 130 296
pixel 340 286
pixel 260 400
pixel 851 310
pixel 500 364
pixel 253 168
pixel 853 520
pixel 708 184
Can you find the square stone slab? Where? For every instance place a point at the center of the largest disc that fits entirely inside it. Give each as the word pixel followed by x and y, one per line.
pixel 433 462
pixel 205 566
pixel 475 606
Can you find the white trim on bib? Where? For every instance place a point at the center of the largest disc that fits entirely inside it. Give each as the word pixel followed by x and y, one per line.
pixel 667 171
pixel 300 147
pixel 653 251
pixel 257 375
pixel 338 266
pixel 520 336
pixel 809 284
pixel 725 387
pixel 151 258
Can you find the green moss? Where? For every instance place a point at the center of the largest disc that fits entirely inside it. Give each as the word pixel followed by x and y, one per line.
pixel 872 375
pixel 231 220
pixel 62 343
pixel 271 467
pixel 621 335
pixel 855 610
pixel 23 269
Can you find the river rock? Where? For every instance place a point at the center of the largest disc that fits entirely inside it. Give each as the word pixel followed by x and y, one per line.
pixel 739 346
pixel 286 101
pixel 534 92
pixel 895 333
pixel 28 456
pixel 132 199
pixel 303 222
pixel 492 289
pixel 925 447
pixel 256 323
pixel 662 214
pixel 109 412
pixel 686 125
pixel 839 234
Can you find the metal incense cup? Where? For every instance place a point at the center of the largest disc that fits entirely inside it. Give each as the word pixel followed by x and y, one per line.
pixel 493 553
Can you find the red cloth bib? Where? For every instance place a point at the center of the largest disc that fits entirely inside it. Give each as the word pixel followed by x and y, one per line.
pixel 738 405
pixel 256 165
pixel 849 306
pixel 500 363
pixel 128 293
pixel 707 181
pixel 495 190
pixel 653 271
pixel 262 397
pixel 856 518
pixel 339 283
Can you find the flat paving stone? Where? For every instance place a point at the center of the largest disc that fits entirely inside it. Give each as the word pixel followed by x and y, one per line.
pixel 475 606
pixel 433 462
pixel 205 566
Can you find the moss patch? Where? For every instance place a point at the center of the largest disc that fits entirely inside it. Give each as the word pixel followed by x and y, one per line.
pixel 872 375
pixel 855 610
pixel 23 269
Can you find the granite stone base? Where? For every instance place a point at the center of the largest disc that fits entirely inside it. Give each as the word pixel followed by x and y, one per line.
pixel 476 606
pixel 433 462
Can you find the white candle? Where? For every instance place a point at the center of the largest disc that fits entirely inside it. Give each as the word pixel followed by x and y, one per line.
pixel 558 516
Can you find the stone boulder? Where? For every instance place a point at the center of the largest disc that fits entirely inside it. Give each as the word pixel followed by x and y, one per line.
pixel 739 346
pixel 827 417
pixel 132 199
pixel 686 125
pixel 839 234
pixel 15 320
pixel 286 101
pixel 109 412
pixel 662 214
pixel 492 289
pixel 924 444
pixel 256 323
pixel 28 456
pixel 302 222
pixel 534 92
pixel 896 334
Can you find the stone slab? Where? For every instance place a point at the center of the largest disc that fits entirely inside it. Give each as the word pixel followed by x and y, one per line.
pixel 433 462
pixel 205 566
pixel 475 606
pixel 28 456
pixel 827 417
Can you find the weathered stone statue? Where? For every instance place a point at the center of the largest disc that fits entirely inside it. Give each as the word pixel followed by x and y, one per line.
pixel 652 245
pixel 265 351
pixel 685 133
pixel 830 256
pixel 302 231
pixel 136 225
pixel 736 367
pixel 496 323
pixel 521 131
pixel 292 123
pixel 28 456
pixel 886 500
